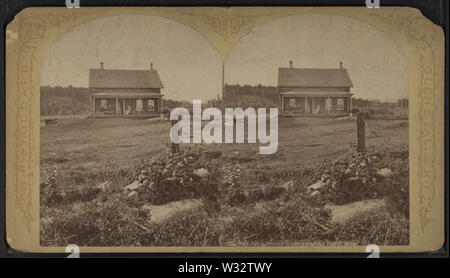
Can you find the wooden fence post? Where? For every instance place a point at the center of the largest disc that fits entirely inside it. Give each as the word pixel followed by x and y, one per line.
pixel 361 132
pixel 175 147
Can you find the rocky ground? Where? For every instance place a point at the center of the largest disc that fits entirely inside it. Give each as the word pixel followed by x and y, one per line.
pixel 196 183
pixel 115 183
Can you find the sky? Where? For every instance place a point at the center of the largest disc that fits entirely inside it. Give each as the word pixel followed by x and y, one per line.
pixel 191 68
pixel 375 63
pixel 187 63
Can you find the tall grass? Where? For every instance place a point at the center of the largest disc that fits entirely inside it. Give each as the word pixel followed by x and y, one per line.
pixel 243 211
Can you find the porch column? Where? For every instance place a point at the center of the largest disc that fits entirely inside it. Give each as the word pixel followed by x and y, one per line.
pixel 349 105
pixel 307 106
pixel 93 105
pixel 313 106
pixel 117 106
pixel 282 105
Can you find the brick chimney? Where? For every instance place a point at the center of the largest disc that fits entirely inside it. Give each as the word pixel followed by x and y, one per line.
pixel 290 64
pixel 101 65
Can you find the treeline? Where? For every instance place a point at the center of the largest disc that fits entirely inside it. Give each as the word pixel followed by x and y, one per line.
pixel 359 102
pixel 76 100
pixel 265 96
pixel 64 100
pixel 254 96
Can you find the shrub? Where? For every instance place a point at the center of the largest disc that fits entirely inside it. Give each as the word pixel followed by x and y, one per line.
pixel 357 179
pixel 172 178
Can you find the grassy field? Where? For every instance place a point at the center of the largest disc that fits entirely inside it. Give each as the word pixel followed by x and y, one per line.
pixel 78 154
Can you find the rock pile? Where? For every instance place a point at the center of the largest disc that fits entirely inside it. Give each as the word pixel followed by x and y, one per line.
pixel 175 177
pixel 344 181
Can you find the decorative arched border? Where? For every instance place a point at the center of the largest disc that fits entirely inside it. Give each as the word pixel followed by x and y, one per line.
pixel 34 29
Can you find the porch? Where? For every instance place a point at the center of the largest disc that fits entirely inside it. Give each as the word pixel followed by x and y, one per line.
pixel 315 104
pixel 126 106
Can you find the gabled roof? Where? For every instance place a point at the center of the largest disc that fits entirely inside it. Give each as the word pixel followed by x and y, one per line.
pixel 294 77
pixel 132 79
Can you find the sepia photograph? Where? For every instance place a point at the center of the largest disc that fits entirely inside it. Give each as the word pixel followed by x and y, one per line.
pixel 300 137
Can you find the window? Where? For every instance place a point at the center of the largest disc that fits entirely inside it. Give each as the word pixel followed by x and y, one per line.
pixel 103 104
pixel 340 104
pixel 292 102
pixel 151 105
